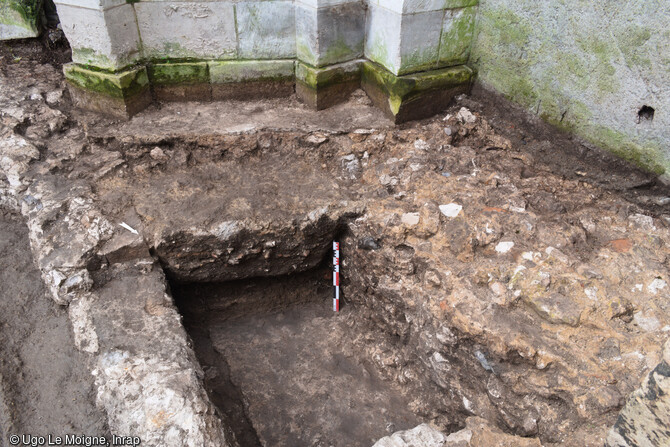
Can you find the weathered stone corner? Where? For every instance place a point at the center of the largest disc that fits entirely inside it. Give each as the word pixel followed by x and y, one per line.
pixel 321 88
pixel 416 96
pixel 121 94
pixel 19 19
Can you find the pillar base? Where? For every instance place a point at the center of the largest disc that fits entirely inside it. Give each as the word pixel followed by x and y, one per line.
pixel 321 88
pixel 180 81
pixel 415 96
pixel 121 94
pixel 244 80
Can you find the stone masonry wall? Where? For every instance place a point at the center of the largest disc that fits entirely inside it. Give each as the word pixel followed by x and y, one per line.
pixel 586 66
pixel 404 36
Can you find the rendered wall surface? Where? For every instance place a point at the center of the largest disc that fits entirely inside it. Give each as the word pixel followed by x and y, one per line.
pixel 585 66
pixel 19 19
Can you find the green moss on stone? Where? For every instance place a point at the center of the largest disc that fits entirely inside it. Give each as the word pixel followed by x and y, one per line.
pixel 21 13
pixel 456 39
pixel 570 75
pixel 180 73
pixel 451 4
pixel 378 51
pixel 221 72
pixel 340 51
pixel 648 155
pixel 305 53
pixel 91 58
pixel 120 85
pixel 631 41
pixel 317 78
pixel 403 88
pixel 423 59
pixel 602 70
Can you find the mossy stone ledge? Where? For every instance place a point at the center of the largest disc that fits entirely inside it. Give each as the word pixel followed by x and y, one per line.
pixel 416 96
pixel 321 88
pixel 121 94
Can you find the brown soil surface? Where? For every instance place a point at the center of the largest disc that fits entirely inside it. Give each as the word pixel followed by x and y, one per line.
pixel 45 384
pixel 295 368
pixel 539 304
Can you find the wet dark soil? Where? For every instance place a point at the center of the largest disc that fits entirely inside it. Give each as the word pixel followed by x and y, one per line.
pixel 49 48
pixel 45 384
pixel 286 368
pixel 567 155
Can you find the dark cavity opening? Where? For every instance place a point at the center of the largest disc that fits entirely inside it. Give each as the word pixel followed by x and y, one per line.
pixel 646 113
pixel 284 369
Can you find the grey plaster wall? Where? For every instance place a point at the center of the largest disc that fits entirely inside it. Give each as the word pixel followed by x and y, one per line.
pixel 588 66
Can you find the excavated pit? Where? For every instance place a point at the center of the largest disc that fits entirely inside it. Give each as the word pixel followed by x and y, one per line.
pixel 494 267
pixel 284 369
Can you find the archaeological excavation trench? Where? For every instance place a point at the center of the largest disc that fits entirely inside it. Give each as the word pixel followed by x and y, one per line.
pixel 467 285
pixel 284 370
pixel 499 278
pixel 252 281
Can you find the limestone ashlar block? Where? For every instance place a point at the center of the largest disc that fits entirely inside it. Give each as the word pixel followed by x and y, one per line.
pixel 329 32
pixel 266 29
pixel 100 5
pixel 180 81
pixel 321 88
pixel 251 79
pixel 420 41
pixel 458 30
pixel 415 96
pixel 382 44
pixel 403 43
pixel 103 38
pixel 19 19
pixel 414 6
pixel 121 94
pixel 187 30
pixel 420 38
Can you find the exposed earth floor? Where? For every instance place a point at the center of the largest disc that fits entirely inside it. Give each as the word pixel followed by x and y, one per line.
pixel 46 387
pixel 492 268
pixel 291 362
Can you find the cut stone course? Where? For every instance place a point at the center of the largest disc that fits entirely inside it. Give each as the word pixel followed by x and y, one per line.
pixel 326 39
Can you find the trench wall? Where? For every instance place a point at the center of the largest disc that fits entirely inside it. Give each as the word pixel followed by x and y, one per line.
pixel 585 66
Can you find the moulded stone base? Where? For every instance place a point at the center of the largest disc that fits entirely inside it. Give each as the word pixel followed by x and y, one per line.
pixel 123 108
pixel 240 80
pixel 121 95
pixel 180 81
pixel 321 88
pixel 197 92
pixel 325 97
pixel 416 96
pixel 253 90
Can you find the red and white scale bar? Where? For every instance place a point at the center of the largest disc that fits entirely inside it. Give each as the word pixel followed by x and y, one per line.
pixel 336 276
